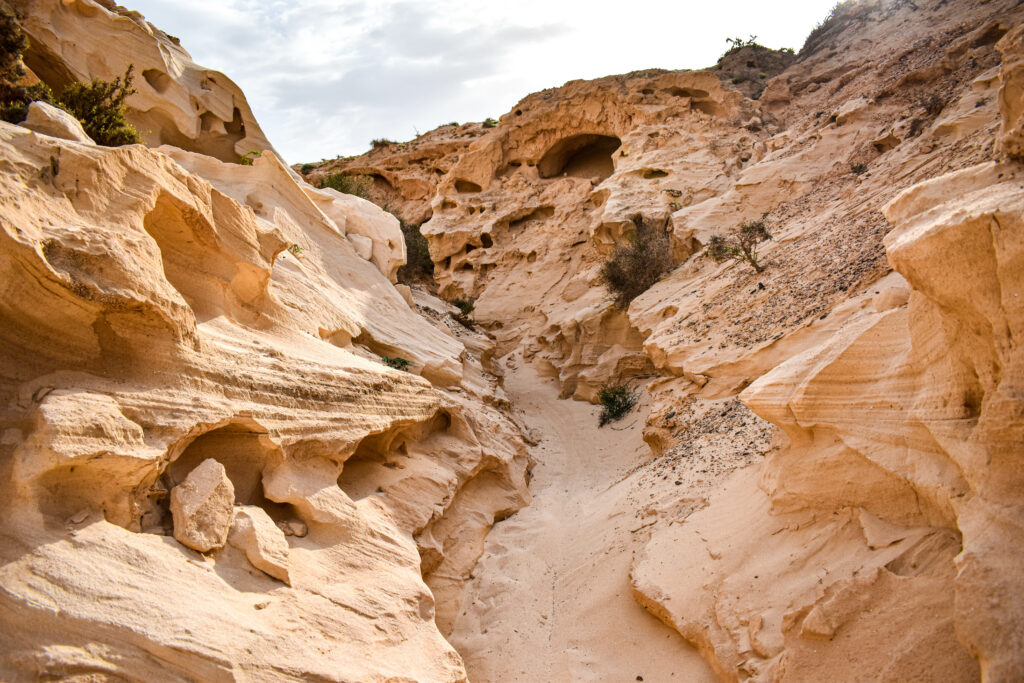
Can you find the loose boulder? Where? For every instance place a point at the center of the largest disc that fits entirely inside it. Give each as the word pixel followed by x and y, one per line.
pixel 255 534
pixel 202 507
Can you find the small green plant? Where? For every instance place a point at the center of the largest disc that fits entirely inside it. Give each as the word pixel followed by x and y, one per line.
pixel 379 143
pixel 306 169
pixel 295 249
pixel 739 245
pixel 358 185
pixel 99 105
pixel 418 265
pixel 451 123
pixel 737 43
pixel 490 123
pixel 636 265
pixel 858 168
pixel 616 401
pixel 247 158
pixel 465 306
pixel 396 363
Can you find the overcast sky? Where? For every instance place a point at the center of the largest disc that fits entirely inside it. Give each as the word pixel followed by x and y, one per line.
pixel 324 77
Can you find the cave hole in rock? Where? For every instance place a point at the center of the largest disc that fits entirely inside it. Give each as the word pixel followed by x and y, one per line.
pixel 235 127
pixel 157 80
pixel 245 450
pixel 706 106
pixel 470 247
pixel 485 240
pixel 676 91
pixel 580 156
pixel 208 121
pixel 652 173
pixel 448 204
pixel 381 459
pixel 539 214
pixel 465 186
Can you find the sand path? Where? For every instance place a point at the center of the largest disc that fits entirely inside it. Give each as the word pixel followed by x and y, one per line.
pixel 551 600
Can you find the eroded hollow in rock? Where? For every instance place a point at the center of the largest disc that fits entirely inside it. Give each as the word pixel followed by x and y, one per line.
pixel 246 452
pixel 580 156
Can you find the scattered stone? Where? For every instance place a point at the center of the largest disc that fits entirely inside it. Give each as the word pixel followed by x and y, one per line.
pixel 202 507
pixel 255 534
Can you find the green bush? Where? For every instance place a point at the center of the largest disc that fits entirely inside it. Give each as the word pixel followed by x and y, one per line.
pixel 358 185
pixel 306 169
pixel 378 143
pixel 739 245
pixel 99 105
pixel 247 158
pixel 490 123
pixel 616 400
pixel 636 265
pixel 857 169
pixel 466 306
pixel 14 98
pixel 396 363
pixel 418 265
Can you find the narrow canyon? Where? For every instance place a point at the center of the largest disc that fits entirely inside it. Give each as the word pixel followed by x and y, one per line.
pixel 409 416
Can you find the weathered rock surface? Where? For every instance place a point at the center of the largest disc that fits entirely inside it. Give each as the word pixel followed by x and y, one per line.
pixel 835 491
pixel 166 308
pixel 178 102
pixel 202 507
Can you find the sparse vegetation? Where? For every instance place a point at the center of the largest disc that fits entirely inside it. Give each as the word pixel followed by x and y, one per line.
pixel 740 244
pixel 397 363
pixel 15 98
pixel 358 185
pixel 737 43
pixel 858 168
pixel 295 249
pixel 616 401
pixel 418 265
pixel 490 123
pixel 636 265
pixel 247 158
pixel 465 306
pixel 99 105
pixel 306 169
pixel 380 143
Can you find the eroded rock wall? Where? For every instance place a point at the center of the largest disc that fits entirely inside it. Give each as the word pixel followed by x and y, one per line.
pixel 166 313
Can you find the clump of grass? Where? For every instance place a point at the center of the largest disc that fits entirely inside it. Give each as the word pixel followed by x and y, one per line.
pixel 616 401
pixel 635 266
pixel 306 169
pixel 247 158
pixel 418 265
pixel 397 363
pixel 490 123
pixel 857 169
pixel 358 185
pixel 99 105
pixel 295 249
pixel 739 245
pixel 380 143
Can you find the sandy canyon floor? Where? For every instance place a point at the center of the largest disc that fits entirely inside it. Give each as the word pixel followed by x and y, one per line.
pixel 550 597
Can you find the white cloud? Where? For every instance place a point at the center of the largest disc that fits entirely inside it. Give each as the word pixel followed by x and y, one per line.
pixel 325 76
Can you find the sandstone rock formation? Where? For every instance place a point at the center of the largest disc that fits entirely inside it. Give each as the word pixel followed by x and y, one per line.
pixel 833 486
pixel 166 308
pixel 202 507
pixel 178 102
